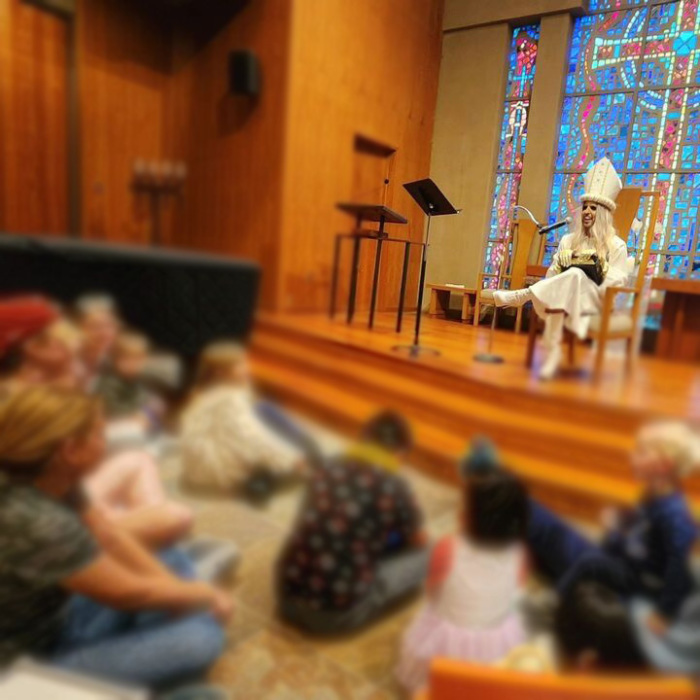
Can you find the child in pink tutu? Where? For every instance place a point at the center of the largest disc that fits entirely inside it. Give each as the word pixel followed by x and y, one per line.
pixel 475 580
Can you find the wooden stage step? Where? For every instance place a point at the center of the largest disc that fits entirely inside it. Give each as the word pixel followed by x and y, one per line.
pixel 574 453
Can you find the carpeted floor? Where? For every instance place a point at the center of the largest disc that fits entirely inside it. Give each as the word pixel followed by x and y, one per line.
pixel 267 660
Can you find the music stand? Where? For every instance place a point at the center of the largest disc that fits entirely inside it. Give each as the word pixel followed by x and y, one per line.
pixel 434 203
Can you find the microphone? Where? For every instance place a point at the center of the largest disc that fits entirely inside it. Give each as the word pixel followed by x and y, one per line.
pixel 554 226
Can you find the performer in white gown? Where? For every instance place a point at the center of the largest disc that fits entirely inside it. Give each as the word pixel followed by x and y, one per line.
pixel 567 297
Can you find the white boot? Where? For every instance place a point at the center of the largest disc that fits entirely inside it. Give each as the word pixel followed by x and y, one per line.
pixel 515 297
pixel 553 333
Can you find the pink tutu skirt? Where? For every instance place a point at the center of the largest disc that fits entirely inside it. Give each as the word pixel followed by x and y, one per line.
pixel 431 636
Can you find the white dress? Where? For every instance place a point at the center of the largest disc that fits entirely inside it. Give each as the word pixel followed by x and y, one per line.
pixel 575 293
pixel 472 616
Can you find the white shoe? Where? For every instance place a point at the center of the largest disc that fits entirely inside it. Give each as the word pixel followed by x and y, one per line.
pixel 516 297
pixel 551 363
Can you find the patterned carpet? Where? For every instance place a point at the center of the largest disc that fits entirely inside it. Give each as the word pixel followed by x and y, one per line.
pixel 267 660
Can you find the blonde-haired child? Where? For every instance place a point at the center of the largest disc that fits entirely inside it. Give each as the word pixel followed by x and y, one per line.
pixel 225 443
pixel 647 550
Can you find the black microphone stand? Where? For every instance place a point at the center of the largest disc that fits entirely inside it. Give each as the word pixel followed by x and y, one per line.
pixel 489 357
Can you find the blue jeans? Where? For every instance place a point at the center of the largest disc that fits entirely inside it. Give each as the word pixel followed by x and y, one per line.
pixel 149 649
pixel 565 556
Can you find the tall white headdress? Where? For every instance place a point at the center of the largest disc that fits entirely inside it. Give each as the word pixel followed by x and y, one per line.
pixel 602 184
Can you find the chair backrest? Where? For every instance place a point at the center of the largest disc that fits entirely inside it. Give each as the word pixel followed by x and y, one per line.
pixel 628 203
pixel 626 210
pixel 453 680
pixel 524 233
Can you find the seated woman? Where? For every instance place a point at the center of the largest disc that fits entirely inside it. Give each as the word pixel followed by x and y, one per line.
pixel 41 349
pixel 568 297
pixel 76 589
pixel 37 348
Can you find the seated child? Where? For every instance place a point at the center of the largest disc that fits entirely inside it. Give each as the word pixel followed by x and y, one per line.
pixel 225 443
pixel 646 551
pixel 132 411
pixel 474 582
pixel 357 548
pixel 597 630
pixel 100 325
pixel 593 630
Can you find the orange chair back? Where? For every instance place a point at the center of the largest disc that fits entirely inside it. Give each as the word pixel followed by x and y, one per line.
pixel 522 241
pixel 626 210
pixel 454 680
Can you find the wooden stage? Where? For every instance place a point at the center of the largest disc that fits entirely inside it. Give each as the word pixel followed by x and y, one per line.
pixel 569 437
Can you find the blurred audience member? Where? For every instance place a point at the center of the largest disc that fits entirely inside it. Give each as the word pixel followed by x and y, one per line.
pixel 357 547
pixel 128 489
pixel 677 650
pixel 37 345
pixel 121 387
pixel 75 588
pixel 594 631
pixel 21 317
pixel 99 322
pixel 474 582
pixel 597 630
pixel 225 442
pixel 646 551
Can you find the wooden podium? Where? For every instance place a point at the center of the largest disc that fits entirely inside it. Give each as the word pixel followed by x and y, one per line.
pixel 383 215
pixel 679 336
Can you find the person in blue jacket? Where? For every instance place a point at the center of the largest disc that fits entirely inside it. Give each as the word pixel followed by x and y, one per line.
pixel 646 552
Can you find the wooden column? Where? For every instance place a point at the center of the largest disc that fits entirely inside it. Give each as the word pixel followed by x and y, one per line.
pixel 465 147
pixel 543 122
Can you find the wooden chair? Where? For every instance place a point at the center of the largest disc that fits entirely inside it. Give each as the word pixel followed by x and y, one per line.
pixel 611 324
pixel 454 680
pixel 513 268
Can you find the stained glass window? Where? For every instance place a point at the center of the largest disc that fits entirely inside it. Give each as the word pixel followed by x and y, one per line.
pixel 632 94
pixel 521 73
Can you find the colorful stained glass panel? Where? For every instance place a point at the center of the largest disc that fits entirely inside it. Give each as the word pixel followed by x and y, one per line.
pixel 643 56
pixel 521 72
pixel 505 198
pixel 605 51
pixel 522 61
pixel 592 127
pixel 666 131
pixel 603 5
pixel 513 135
pixel 672 50
pixel 566 191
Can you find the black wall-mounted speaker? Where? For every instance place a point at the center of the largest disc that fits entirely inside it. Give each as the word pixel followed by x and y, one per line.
pixel 244 73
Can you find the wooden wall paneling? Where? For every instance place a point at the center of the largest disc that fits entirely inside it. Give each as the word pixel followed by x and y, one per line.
pixel 361 67
pixel 124 67
pixel 33 119
pixel 233 145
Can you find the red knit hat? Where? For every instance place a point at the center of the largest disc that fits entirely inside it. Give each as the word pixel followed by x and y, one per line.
pixel 23 317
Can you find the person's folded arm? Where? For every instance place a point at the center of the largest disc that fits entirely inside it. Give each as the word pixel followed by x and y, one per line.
pixel 108 582
pixel 122 546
